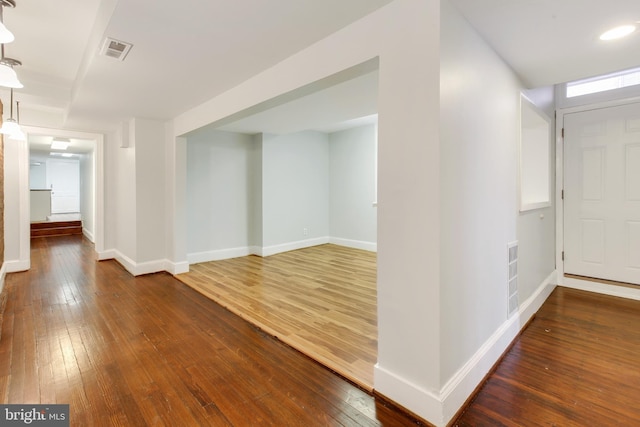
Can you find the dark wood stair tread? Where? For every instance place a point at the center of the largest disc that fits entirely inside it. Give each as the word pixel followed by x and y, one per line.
pixel 57 228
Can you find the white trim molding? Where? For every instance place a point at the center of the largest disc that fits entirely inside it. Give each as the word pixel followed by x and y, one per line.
pixel 601 288
pixel 2 275
pixel 15 266
pixel 176 267
pixel 217 255
pixel 292 246
pixel 137 269
pixel 88 234
pixel 356 244
pixel 440 407
pixel 105 255
pixel 221 254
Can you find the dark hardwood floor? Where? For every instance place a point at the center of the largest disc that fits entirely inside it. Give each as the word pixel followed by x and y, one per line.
pixel 576 364
pixel 151 351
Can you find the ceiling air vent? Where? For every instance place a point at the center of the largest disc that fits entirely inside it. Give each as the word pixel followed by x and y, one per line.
pixel 115 48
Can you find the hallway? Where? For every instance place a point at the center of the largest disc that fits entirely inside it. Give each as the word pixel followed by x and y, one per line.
pixel 151 351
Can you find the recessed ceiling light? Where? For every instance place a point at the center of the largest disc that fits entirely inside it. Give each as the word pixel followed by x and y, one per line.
pixel 60 144
pixel 618 32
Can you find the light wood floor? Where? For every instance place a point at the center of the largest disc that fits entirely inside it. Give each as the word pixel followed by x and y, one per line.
pixel 319 300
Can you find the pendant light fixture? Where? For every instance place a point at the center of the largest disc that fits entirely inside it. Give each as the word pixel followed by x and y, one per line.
pixel 6 36
pixel 19 135
pixel 8 76
pixel 10 126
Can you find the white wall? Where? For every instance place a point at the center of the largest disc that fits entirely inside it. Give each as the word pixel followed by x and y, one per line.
pixel 258 194
pixel 135 167
pixel 16 206
pixel 404 35
pixel 256 231
pixel 352 177
pixel 295 187
pixel 219 196
pixel 111 185
pixel 150 193
pixel 38 175
pixel 479 114
pixel 537 228
pixel 121 173
pixel 87 194
pixel 479 130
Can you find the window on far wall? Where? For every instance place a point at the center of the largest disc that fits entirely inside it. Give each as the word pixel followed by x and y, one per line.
pixel 603 83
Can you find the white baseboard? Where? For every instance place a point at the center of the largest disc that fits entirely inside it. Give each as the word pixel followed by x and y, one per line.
pixel 440 407
pixel 458 389
pixel 138 269
pixel 356 244
pixel 3 273
pixel 292 246
pixel 14 266
pixel 126 262
pixel 149 267
pixel 421 402
pixel 88 235
pixel 601 288
pixel 176 267
pixel 217 255
pixel 104 255
pixel 220 254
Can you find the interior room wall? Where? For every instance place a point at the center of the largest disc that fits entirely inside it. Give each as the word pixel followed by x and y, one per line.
pixel 256 239
pixel 404 36
pixel 479 207
pixel 121 174
pixel 150 196
pixel 16 206
pixel 295 187
pixel 37 174
pixel 537 227
pixel 2 269
pixel 352 179
pixel 310 176
pixel 220 198
pixel 87 194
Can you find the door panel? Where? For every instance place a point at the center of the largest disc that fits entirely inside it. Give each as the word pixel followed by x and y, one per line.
pixel 602 193
pixel 63 178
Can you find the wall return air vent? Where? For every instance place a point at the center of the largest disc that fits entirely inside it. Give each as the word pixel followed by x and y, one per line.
pixel 115 48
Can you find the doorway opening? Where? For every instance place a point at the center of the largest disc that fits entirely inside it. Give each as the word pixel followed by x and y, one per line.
pixel 281 184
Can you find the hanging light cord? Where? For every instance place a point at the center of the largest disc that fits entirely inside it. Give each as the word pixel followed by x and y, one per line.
pixel 11 109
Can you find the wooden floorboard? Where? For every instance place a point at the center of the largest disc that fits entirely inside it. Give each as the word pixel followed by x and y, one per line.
pixel 576 364
pixel 127 351
pixel 320 300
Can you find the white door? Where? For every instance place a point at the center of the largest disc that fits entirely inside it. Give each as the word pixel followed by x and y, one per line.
pixel 602 193
pixel 63 178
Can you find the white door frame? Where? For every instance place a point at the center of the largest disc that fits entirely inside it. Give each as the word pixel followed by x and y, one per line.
pixel 592 286
pixel 98 185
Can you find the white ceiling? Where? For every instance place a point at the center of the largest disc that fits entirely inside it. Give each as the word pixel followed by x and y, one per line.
pixel 189 51
pixel 183 52
pixel 347 104
pixel 554 41
pixel 40 147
